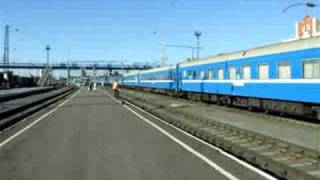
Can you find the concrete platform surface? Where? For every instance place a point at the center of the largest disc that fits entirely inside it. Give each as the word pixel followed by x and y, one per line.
pixel 93 137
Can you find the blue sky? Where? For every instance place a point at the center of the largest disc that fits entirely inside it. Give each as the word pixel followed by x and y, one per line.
pixel 119 30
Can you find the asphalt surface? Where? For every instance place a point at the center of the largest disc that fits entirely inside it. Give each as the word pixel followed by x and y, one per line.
pixel 93 137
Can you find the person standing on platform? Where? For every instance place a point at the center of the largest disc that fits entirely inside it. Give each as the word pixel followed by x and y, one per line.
pixel 116 89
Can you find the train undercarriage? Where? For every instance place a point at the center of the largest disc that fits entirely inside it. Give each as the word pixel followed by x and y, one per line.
pixel 310 111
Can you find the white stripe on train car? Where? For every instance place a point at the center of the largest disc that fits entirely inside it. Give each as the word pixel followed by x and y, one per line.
pixel 156 81
pixel 269 81
pixel 130 81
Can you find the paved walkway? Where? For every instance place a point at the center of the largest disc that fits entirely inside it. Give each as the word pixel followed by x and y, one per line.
pixel 93 137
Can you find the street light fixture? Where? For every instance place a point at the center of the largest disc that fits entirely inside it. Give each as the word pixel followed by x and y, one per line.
pixel 198 34
pixel 307 4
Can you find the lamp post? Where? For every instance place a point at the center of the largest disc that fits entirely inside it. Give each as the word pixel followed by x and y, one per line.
pixel 164 57
pixel 13 54
pixel 198 34
pixel 48 48
pixel 307 4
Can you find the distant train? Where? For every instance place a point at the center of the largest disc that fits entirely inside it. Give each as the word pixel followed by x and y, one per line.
pixel 282 77
pixel 15 81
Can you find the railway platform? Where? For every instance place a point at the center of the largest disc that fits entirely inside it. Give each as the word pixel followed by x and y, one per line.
pixel 91 136
pixel 285 146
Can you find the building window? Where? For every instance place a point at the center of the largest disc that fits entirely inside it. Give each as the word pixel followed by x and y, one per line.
pixel 202 75
pixel 284 70
pixel 232 73
pixel 210 74
pixel 263 71
pixel 220 74
pixel 311 69
pixel 246 72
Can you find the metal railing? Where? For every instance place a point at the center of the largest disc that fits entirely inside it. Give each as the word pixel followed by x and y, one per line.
pixel 87 66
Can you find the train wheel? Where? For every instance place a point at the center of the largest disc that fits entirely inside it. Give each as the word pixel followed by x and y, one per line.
pixel 228 102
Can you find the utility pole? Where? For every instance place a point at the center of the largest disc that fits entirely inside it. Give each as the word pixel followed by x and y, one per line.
pixel 198 34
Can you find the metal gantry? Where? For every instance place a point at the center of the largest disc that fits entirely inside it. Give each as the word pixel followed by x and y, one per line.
pixel 6 46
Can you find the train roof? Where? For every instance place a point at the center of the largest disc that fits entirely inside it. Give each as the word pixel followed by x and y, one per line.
pixel 258 51
pixel 151 70
pixel 131 73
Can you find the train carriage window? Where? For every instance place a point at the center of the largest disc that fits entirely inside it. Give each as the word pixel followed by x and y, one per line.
pixel 232 73
pixel 246 72
pixel 210 74
pixel 184 73
pixel 220 74
pixel 284 70
pixel 202 75
pixel 311 69
pixel 190 75
pixel 263 71
pixel 170 75
pixel 194 75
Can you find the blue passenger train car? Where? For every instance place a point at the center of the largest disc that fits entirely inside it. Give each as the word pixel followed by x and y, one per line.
pixel 282 77
pixel 160 79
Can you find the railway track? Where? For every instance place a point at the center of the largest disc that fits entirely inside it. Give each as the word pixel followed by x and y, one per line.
pixel 20 93
pixel 17 108
pixel 284 159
